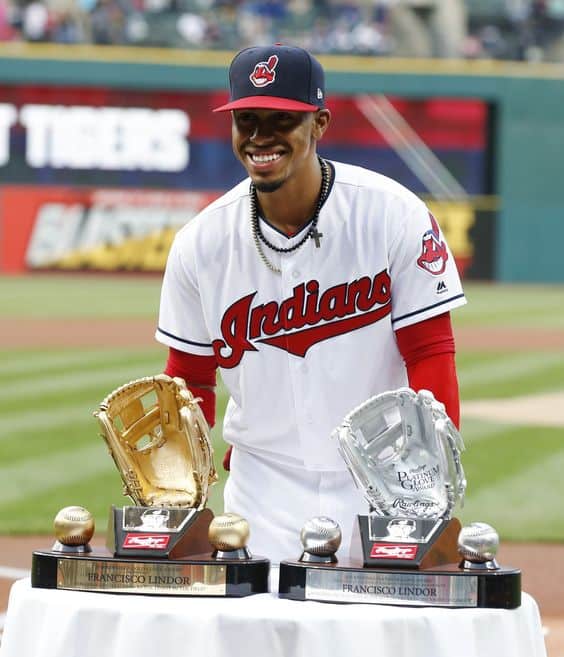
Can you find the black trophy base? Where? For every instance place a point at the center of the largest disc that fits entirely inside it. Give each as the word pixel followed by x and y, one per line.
pixel 198 575
pixel 442 586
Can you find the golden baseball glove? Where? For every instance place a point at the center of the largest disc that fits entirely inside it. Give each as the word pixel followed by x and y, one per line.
pixel 159 440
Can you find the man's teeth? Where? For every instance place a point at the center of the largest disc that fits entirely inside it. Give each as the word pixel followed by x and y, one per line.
pixel 265 158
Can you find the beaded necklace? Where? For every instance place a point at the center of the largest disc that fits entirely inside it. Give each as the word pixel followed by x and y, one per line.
pixel 258 236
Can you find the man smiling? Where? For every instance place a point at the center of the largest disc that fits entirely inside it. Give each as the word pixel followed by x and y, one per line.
pixel 312 286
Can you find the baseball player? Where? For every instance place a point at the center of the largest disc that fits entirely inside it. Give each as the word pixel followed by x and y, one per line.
pixel 312 285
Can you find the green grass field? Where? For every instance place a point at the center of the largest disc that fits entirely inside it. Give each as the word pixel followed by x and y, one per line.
pixel 51 455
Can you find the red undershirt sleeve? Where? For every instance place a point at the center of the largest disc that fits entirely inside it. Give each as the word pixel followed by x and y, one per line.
pixel 199 373
pixel 428 351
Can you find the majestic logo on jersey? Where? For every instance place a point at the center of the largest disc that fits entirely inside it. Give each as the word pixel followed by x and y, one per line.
pixel 265 72
pixel 434 253
pixel 302 320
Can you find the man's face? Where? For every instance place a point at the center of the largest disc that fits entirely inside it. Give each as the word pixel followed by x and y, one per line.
pixel 274 145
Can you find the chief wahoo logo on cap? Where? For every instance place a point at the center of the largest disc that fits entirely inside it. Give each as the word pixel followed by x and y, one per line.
pixel 264 72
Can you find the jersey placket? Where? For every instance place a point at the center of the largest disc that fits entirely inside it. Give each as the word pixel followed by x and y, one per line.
pixel 296 270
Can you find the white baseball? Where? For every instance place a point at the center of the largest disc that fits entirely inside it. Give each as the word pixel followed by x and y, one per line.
pixel 478 542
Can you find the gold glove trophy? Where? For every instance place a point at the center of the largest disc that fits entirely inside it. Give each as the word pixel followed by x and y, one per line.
pixel 167 542
pixel 403 452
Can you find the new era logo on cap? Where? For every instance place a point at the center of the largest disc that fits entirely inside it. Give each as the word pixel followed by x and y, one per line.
pixel 275 77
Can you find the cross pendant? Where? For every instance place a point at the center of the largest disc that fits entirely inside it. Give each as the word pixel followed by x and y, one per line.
pixel 316 236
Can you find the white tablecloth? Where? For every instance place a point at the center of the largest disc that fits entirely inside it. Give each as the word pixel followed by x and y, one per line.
pixel 54 623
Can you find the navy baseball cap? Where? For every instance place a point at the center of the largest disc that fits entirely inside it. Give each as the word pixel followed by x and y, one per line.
pixel 275 77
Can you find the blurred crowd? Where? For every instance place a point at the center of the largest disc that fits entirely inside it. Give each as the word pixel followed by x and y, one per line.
pixel 531 30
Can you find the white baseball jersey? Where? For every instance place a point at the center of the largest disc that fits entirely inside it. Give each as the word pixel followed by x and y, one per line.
pixel 298 350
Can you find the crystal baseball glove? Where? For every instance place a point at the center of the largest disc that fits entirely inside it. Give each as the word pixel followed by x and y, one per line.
pixel 159 440
pixel 403 452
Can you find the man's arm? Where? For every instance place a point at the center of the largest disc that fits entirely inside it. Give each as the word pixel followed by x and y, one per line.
pixel 428 351
pixel 199 374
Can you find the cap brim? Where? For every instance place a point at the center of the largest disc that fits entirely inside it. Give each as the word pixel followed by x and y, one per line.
pixel 268 102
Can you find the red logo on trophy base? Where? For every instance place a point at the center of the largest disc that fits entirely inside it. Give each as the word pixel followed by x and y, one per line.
pixel 146 541
pixel 393 551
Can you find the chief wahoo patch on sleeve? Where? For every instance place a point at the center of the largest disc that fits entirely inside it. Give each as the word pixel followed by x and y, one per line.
pixel 434 253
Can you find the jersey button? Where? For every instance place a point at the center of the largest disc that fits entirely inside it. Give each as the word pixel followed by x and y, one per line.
pixel 296 273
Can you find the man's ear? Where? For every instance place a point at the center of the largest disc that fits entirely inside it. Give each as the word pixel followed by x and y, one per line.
pixel 321 120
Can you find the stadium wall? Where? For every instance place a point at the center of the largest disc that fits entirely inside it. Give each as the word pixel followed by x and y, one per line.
pixel 515 207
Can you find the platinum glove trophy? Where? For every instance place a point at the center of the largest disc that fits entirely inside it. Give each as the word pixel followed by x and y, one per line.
pixel 404 454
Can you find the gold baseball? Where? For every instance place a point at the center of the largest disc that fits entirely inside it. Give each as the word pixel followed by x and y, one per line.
pixel 228 531
pixel 74 525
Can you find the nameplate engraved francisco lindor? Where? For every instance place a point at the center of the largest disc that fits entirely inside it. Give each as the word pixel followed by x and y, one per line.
pixel 140 577
pixel 391 588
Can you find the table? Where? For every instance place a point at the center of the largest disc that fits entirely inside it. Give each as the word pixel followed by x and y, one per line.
pixel 56 623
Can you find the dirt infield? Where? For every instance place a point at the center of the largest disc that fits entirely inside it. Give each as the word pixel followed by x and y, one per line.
pixel 500 339
pixel 542 410
pixel 91 332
